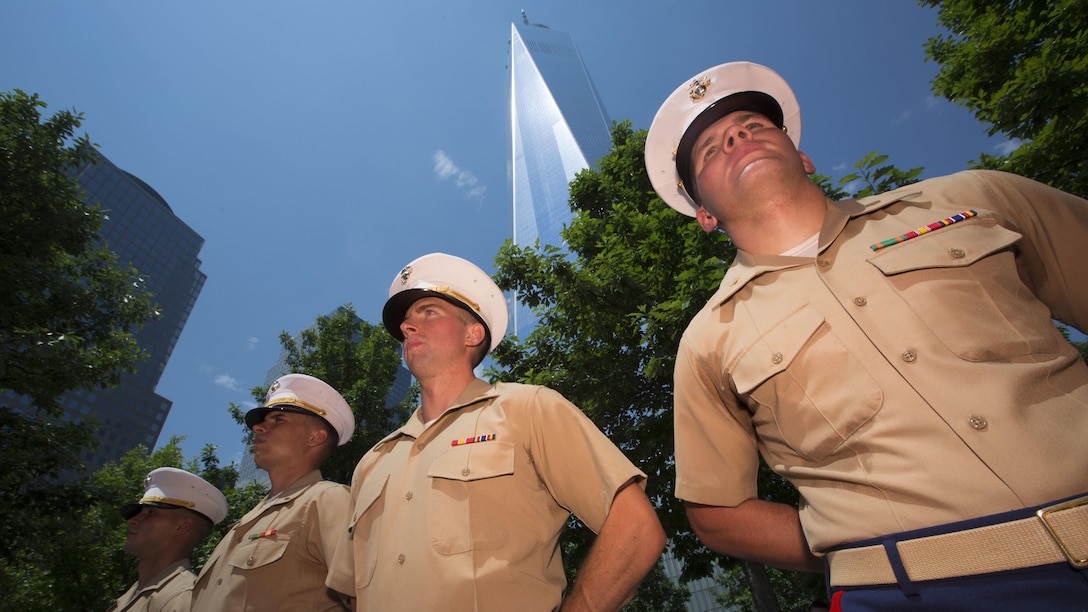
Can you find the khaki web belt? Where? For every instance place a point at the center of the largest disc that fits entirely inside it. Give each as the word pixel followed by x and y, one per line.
pixel 1054 534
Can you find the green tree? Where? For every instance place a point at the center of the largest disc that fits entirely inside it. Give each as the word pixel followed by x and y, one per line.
pixel 360 361
pixel 1022 68
pixel 81 566
pixel 66 323
pixel 68 312
pixel 611 310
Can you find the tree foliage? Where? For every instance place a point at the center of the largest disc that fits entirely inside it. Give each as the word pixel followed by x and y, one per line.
pixel 1022 68
pixel 69 308
pixel 69 557
pixel 360 361
pixel 611 309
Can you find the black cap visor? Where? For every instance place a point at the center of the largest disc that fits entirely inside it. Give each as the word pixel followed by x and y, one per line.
pixel 257 414
pixel 130 510
pixel 396 306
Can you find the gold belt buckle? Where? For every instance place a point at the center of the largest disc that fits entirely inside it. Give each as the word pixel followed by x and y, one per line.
pixel 1044 515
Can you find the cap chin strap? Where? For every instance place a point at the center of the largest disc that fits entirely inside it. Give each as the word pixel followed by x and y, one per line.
pixel 294 401
pixel 460 297
pixel 158 499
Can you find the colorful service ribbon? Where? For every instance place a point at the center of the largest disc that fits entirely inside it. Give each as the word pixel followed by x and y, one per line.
pixel 967 214
pixel 485 438
pixel 262 534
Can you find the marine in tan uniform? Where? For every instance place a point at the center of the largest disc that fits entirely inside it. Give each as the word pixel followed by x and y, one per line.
pixel 894 358
pixel 278 556
pixel 176 512
pixel 461 508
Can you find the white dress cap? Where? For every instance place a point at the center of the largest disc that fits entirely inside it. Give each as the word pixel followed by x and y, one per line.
pixel 307 395
pixel 169 487
pixel 699 102
pixel 453 279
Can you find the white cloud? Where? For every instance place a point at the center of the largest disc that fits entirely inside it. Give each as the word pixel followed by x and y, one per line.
pixel 853 186
pixel 252 342
pixel 445 169
pixel 1008 146
pixel 227 381
pixel 902 118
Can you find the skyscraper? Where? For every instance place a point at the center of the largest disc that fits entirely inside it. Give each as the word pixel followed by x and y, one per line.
pixel 144 232
pixel 559 127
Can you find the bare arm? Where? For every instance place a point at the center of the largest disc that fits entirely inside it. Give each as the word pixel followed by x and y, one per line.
pixel 756 530
pixel 627 547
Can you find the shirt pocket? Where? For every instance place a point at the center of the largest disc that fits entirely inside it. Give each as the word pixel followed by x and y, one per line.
pixel 962 282
pixel 261 552
pixel 807 393
pixel 365 529
pixel 468 488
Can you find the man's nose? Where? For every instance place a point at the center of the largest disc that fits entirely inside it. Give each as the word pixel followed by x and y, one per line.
pixel 407 326
pixel 735 135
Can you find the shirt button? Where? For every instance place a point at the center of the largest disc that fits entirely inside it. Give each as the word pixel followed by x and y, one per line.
pixel 465 471
pixel 776 358
pixel 957 253
pixel 977 422
pixel 909 356
pixel 408 496
pixel 823 263
pixel 249 561
pixel 400 559
pixel 860 301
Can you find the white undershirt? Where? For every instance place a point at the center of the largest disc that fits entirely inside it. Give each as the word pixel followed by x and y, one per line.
pixel 807 248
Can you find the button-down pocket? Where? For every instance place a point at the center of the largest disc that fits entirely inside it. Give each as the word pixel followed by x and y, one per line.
pixel 366 527
pixel 797 408
pixel 467 498
pixel 264 551
pixel 962 282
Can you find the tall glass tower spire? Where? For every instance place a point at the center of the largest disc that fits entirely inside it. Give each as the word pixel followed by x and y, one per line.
pixel 559 127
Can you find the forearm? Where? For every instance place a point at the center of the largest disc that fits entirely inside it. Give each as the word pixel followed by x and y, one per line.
pixel 756 530
pixel 629 544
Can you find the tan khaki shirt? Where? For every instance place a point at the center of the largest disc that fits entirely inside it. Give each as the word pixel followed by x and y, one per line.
pixel 170 591
pixel 278 556
pixel 466 514
pixel 899 388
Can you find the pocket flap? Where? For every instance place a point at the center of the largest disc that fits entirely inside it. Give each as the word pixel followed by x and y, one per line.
pixel 949 247
pixel 474 461
pixel 265 551
pixel 774 351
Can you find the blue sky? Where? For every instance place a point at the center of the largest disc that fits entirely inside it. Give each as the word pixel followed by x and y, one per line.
pixel 319 146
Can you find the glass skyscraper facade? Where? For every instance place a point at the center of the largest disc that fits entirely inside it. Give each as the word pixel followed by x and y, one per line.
pixel 144 232
pixel 559 127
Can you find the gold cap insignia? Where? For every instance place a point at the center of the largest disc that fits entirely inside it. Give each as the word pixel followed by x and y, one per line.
pixel 404 274
pixel 698 89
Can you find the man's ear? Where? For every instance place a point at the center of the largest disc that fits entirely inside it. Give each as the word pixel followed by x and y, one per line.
pixel 475 334
pixel 318 435
pixel 184 526
pixel 707 221
pixel 810 168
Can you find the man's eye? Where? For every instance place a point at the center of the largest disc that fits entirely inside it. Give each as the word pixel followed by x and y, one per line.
pixel 755 125
pixel 710 151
